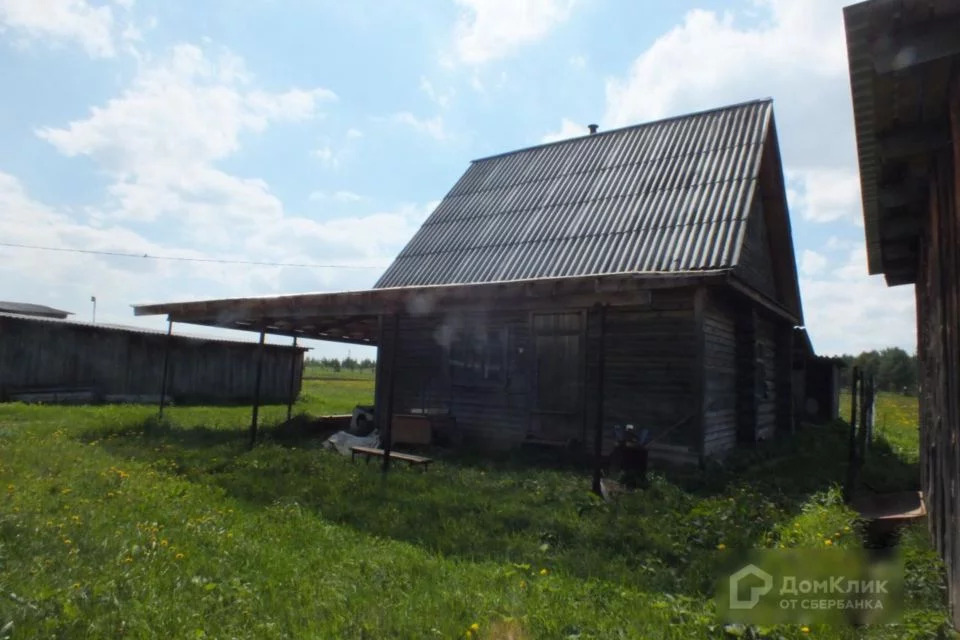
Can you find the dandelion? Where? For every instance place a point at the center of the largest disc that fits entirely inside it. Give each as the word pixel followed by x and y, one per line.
pixel 164 542
pixel 544 572
pixel 805 629
pixel 721 547
pixel 179 556
pixel 67 541
pixel 475 627
pixel 128 559
pixel 828 542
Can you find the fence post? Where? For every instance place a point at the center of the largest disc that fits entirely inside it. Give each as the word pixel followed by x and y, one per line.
pixel 852 450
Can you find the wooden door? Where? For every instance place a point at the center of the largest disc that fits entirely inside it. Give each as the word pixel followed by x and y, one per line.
pixel 558 376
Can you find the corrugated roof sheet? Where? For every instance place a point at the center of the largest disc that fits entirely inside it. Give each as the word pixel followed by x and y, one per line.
pixel 667 196
pixel 30 309
pixel 139 330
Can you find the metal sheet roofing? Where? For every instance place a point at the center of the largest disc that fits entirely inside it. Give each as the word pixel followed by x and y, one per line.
pixel 122 328
pixel 29 309
pixel 909 95
pixel 670 196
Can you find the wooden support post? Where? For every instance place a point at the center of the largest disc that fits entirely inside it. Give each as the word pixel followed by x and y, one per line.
pixel 598 418
pixel 256 392
pixel 852 451
pixel 291 396
pixel 699 376
pixel 166 366
pixel 386 434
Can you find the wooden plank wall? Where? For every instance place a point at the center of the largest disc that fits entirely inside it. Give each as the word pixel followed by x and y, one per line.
pixel 649 371
pixel 491 415
pixel 767 397
pixel 938 335
pixel 720 379
pixel 756 266
pixel 116 362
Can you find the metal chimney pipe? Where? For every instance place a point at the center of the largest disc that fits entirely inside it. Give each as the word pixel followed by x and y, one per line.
pixel 593 128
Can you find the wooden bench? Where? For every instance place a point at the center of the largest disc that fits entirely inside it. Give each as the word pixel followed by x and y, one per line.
pixel 370 452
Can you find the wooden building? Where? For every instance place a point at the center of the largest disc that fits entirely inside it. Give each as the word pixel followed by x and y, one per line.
pixel 905 80
pixel 643 275
pixel 49 360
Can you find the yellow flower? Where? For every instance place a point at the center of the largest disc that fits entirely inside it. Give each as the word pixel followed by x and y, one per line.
pixel 164 542
pixel 721 546
pixel 805 629
pixel 67 541
pixel 468 634
pixel 828 542
pixel 475 627
pixel 846 529
pixel 179 556
pixel 128 559
pixel 544 572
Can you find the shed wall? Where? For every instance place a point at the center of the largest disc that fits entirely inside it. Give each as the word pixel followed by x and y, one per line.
pixel 116 362
pixel 938 325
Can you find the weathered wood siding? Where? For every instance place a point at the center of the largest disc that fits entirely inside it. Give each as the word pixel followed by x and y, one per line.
pixel 767 383
pixel 756 266
pixel 38 353
pixel 720 375
pixel 938 324
pixel 494 414
pixel 650 372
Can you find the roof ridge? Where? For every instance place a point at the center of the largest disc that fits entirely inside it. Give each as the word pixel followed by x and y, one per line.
pixel 639 125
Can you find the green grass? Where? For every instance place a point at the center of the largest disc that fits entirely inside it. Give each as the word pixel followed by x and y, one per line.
pixel 113 524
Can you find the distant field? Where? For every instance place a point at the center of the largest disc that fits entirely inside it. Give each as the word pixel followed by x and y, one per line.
pixel 326 373
pixel 115 525
pixel 895 420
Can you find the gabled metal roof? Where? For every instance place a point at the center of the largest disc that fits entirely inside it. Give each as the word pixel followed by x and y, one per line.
pixel 670 196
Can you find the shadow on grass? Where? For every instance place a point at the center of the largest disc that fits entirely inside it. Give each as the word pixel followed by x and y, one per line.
pixel 514 507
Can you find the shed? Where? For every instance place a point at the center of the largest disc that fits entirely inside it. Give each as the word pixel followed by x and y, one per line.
pixel 642 275
pixel 51 360
pixel 904 60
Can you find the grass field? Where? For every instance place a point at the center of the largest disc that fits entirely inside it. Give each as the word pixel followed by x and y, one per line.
pixel 115 525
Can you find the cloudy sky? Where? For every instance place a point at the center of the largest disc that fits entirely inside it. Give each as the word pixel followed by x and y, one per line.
pixel 322 132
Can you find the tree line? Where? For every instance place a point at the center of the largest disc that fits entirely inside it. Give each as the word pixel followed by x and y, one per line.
pixel 346 364
pixel 893 369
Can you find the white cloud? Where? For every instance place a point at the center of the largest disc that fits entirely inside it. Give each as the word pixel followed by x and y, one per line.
pixel 327 156
pixel 825 194
pixel 160 140
pixel 568 129
pixel 849 312
pixel 812 263
pixel 432 127
pixel 337 196
pixel 800 42
pixel 491 29
pixel 62 21
pixel 440 98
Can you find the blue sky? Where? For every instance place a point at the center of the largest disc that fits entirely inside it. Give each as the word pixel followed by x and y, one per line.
pixel 323 132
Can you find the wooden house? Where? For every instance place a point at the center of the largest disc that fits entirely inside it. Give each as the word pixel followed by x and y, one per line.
pixel 642 275
pixel 905 80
